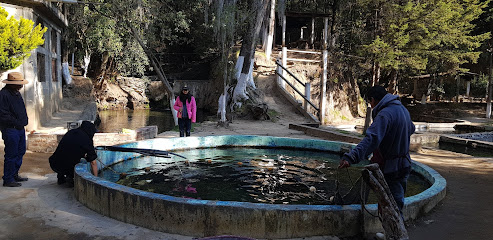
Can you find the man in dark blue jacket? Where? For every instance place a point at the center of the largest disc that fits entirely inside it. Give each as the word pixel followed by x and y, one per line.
pixel 388 138
pixel 13 119
pixel 75 144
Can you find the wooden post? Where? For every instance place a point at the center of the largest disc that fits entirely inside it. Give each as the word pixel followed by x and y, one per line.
pixel 279 70
pixel 415 88
pixel 72 64
pixel 457 93
pixel 284 64
pixel 490 87
pixel 388 212
pixel 468 88
pixel 284 50
pixel 307 96
pixel 312 37
pixel 323 87
pixel 326 32
pixel 283 30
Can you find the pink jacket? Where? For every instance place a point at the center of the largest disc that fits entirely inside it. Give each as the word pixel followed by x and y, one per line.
pixel 191 108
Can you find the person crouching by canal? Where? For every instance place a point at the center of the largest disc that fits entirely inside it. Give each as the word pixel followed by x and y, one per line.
pixel 13 119
pixel 186 112
pixel 75 144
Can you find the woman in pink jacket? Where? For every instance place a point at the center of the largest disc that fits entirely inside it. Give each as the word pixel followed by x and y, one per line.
pixel 186 112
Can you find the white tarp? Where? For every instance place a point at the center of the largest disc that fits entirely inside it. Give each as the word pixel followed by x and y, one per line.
pixel 66 73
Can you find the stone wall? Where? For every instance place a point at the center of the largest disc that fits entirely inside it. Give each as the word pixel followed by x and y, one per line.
pixel 38 142
pixel 474 140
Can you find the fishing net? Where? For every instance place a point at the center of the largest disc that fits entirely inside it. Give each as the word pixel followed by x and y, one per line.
pixel 358 194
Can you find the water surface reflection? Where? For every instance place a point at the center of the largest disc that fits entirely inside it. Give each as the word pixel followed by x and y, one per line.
pixel 115 120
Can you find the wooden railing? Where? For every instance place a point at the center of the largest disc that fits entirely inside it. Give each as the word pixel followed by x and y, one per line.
pixel 306 95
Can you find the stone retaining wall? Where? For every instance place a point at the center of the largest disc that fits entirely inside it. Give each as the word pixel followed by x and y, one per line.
pixel 475 140
pixel 39 142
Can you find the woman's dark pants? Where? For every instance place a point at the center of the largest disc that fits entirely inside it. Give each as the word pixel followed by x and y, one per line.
pixel 185 125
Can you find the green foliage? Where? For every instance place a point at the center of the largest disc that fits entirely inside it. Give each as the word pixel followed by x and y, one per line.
pixel 479 86
pixel 97 30
pixel 422 36
pixel 273 114
pixel 17 39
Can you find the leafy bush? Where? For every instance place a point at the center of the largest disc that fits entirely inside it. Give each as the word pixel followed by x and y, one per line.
pixel 478 86
pixel 17 39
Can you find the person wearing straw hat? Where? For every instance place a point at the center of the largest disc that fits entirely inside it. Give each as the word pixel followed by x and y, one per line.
pixel 13 119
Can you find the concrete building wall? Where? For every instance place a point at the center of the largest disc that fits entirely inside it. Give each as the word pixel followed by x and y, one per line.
pixel 43 94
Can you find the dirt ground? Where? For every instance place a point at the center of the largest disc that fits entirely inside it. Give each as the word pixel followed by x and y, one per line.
pixel 41 209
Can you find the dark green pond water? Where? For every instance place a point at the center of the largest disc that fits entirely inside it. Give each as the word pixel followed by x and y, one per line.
pixel 116 120
pixel 256 175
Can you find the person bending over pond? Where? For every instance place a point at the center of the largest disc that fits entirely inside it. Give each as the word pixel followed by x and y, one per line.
pixel 388 138
pixel 75 144
pixel 186 112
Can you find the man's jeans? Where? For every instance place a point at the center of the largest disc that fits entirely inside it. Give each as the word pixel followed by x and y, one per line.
pixel 15 148
pixel 397 182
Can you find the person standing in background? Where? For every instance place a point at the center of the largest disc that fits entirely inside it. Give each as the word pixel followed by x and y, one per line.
pixel 13 119
pixel 187 111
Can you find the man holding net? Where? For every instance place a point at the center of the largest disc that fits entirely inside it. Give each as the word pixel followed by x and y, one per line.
pixel 388 138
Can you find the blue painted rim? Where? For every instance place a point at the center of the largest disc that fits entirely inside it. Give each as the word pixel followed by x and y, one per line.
pixel 82 169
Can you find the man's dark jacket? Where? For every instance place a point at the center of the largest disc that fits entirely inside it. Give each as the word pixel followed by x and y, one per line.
pixel 12 109
pixel 390 133
pixel 75 144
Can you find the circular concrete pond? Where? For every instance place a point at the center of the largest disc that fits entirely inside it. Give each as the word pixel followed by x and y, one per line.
pixel 202 218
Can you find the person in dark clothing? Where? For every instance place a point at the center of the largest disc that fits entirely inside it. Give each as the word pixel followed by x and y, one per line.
pixel 13 119
pixel 187 111
pixel 388 138
pixel 75 144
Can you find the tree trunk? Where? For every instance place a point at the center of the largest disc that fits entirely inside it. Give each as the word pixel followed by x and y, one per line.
pixel 375 74
pixel 388 212
pixel 248 52
pixel 393 82
pixel 367 119
pixel 490 88
pixel 157 67
pixel 101 72
pixel 270 36
pixel 87 60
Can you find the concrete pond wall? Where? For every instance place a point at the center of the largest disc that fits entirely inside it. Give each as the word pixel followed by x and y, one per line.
pixel 202 218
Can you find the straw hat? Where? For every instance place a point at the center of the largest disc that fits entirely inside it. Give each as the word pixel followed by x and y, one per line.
pixel 15 78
